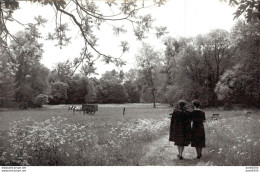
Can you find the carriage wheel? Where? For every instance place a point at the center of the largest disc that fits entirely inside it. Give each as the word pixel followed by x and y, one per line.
pixel 92 113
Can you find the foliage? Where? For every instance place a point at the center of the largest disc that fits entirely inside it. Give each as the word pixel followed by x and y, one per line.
pixel 132 91
pixel 250 9
pixel 59 92
pixel 27 76
pixel 23 105
pixel 169 69
pixel 131 85
pixel 81 89
pixel 41 100
pixel 110 91
pixel 147 60
pixel 62 72
pixel 197 64
pixel 240 84
pixel 6 82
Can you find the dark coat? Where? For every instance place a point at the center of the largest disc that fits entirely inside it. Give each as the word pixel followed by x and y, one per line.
pixel 197 130
pixel 180 127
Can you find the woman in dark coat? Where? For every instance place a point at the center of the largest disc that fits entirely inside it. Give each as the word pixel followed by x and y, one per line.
pixel 197 130
pixel 180 128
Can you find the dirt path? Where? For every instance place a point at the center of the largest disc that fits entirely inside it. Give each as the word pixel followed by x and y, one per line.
pixel 163 153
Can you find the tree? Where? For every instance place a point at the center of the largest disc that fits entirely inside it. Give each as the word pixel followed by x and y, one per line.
pixel 205 60
pixel 147 60
pixel 240 84
pixel 131 86
pixel 81 90
pixel 23 61
pixel 58 93
pixel 6 82
pixel 113 75
pixel 62 72
pixel 172 49
pixel 109 88
pixel 109 91
pixel 198 64
pixel 87 16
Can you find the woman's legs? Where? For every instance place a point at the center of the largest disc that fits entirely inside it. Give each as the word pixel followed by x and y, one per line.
pixel 199 150
pixel 180 150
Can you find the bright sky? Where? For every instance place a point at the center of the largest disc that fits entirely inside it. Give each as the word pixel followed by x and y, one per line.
pixel 181 17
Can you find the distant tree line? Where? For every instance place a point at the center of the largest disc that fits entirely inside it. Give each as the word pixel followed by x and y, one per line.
pixel 219 68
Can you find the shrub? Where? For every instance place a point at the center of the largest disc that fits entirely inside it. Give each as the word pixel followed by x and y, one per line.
pixel 23 105
pixel 41 100
pixel 228 106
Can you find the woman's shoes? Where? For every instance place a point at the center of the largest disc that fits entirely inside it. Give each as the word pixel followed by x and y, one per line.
pixel 180 157
pixel 199 156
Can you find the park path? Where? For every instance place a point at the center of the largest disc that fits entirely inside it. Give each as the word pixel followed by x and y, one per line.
pixel 161 152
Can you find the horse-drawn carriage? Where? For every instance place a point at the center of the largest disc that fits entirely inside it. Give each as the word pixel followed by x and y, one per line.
pixel 85 108
pixel 89 108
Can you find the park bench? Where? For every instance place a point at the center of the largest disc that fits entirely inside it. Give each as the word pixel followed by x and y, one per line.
pixel 248 114
pixel 215 116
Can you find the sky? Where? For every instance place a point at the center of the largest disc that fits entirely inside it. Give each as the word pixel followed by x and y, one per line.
pixel 183 18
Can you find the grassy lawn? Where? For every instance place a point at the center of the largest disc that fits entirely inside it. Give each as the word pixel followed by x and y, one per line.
pixel 55 136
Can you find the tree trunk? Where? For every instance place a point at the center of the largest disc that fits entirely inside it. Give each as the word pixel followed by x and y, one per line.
pixel 154 105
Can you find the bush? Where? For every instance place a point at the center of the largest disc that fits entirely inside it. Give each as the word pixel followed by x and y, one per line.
pixel 228 106
pixel 23 105
pixel 8 103
pixel 41 100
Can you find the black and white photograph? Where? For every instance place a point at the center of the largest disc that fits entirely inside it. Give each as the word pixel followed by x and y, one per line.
pixel 168 83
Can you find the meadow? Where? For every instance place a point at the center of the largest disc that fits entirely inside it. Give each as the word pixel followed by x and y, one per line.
pixel 55 136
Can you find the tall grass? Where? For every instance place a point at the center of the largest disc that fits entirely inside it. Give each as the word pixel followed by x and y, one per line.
pixel 233 141
pixel 56 136
pixel 62 141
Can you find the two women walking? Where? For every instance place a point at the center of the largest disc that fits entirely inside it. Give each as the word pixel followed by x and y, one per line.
pixel 182 133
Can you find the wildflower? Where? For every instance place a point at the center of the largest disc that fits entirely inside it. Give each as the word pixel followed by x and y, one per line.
pixel 248 140
pixel 25 163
